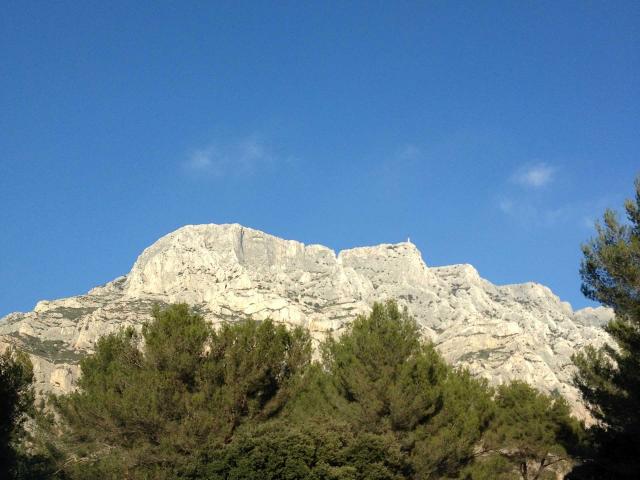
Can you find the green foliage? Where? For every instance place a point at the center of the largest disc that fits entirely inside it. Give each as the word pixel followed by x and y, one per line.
pixel 391 383
pixel 531 432
pixel 17 409
pixel 449 441
pixel 609 378
pixel 380 356
pixel 16 402
pixel 610 268
pixel 185 400
pixel 152 412
pixel 315 451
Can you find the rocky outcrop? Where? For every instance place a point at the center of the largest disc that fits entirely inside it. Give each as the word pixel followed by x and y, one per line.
pixel 229 272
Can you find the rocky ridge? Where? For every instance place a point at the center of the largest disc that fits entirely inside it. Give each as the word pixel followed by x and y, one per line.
pixel 229 271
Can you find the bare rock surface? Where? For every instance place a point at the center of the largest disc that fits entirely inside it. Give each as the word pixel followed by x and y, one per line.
pixel 229 271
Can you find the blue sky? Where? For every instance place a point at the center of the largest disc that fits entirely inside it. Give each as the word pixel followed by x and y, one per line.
pixel 491 133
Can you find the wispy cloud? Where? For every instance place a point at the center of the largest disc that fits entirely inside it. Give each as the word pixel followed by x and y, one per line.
pixel 534 214
pixel 535 176
pixel 398 167
pixel 202 159
pixel 589 222
pixel 506 206
pixel 246 156
pixel 529 208
pixel 409 152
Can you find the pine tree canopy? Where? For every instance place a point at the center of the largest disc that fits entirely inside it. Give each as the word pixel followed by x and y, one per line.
pixel 16 402
pixel 609 378
pixel 184 399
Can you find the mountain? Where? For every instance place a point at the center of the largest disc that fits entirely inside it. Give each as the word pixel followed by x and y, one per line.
pixel 229 271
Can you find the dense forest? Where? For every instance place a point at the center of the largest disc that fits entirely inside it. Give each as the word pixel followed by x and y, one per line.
pixel 253 400
pixel 247 401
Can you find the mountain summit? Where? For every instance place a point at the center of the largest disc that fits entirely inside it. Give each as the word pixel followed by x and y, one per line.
pixel 229 271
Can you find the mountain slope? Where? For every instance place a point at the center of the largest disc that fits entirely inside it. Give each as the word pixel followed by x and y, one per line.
pixel 229 271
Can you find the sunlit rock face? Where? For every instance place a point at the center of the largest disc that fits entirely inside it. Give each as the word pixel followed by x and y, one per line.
pixel 229 271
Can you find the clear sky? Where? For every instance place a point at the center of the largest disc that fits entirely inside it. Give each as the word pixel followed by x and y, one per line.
pixel 491 133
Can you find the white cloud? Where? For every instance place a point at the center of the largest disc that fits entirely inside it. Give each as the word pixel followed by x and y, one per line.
pixel 529 209
pixel 535 176
pixel 202 159
pixel 246 156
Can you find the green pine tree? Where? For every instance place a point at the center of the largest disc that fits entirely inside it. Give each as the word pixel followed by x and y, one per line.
pixel 16 403
pixel 392 383
pixel 609 378
pixel 531 435
pixel 157 404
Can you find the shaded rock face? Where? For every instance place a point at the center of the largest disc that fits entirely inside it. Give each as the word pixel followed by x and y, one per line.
pixel 228 272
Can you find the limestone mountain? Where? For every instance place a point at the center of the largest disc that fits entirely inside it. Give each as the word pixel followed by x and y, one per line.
pixel 229 271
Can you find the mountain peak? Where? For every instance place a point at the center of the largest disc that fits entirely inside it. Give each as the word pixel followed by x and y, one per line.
pixel 230 271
